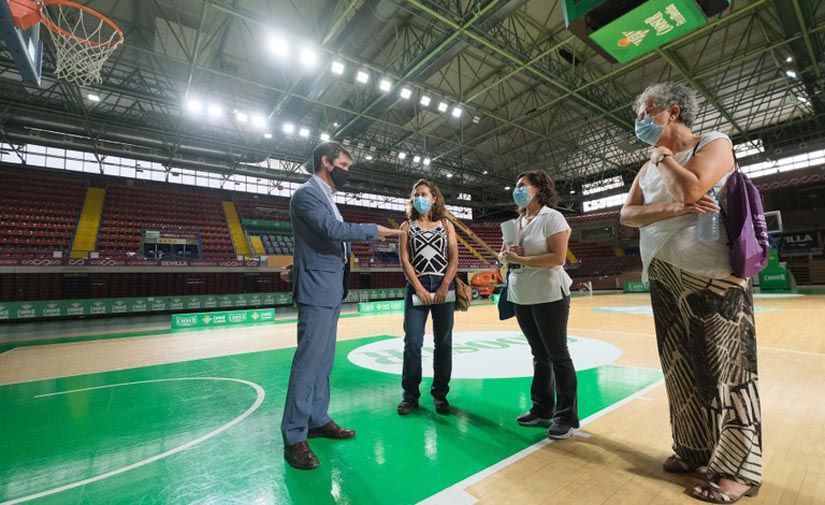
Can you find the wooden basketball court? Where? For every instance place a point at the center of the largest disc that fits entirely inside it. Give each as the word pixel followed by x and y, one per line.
pixel 481 453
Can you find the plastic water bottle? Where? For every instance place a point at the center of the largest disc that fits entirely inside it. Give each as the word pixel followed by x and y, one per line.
pixel 708 227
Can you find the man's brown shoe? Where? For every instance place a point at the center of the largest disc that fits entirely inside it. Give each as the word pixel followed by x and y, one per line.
pixel 301 456
pixel 331 430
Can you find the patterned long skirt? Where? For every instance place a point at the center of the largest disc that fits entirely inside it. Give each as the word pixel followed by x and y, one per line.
pixel 707 345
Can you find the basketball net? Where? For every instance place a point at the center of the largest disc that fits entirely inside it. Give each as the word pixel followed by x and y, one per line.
pixel 83 38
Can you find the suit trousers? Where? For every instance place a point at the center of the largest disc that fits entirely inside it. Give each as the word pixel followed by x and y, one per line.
pixel 307 397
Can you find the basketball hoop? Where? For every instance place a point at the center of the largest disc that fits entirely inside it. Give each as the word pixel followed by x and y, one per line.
pixel 83 38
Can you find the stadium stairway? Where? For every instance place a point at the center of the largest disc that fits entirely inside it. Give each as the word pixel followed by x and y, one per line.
pixel 85 236
pixel 236 230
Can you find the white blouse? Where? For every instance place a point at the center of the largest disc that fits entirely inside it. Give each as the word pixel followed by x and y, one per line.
pixel 532 285
pixel 675 240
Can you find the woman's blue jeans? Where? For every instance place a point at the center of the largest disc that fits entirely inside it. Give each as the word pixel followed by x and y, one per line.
pixel 415 321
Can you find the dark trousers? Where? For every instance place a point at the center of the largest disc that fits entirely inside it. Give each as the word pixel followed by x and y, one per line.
pixel 415 321
pixel 553 391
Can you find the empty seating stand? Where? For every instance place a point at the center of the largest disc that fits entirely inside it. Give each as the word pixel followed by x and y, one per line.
pixel 277 244
pixel 38 214
pixel 29 229
pixel 266 208
pixel 131 208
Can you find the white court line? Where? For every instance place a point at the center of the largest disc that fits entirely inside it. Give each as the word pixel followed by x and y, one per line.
pixel 765 347
pixel 456 494
pixel 8 351
pixel 260 398
pixel 635 367
pixel 130 366
pixel 779 349
pixel 638 334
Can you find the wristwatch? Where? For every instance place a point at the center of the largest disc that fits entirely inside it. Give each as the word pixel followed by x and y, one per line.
pixel 661 157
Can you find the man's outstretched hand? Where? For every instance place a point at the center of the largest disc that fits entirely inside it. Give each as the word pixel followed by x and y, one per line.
pixel 385 233
pixel 286 274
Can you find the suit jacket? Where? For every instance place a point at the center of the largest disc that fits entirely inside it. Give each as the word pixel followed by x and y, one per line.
pixel 320 260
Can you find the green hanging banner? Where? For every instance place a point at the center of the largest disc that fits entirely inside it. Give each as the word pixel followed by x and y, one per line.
pixel 648 26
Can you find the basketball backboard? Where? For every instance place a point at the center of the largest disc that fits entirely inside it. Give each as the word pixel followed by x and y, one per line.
pixel 773 219
pixel 25 46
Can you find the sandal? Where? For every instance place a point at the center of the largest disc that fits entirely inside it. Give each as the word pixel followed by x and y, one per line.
pixel 675 464
pixel 712 493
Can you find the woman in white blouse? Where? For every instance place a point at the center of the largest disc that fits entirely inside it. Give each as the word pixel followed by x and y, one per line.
pixel 539 288
pixel 702 313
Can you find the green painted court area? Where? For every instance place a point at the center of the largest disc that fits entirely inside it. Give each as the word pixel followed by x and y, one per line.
pixel 207 431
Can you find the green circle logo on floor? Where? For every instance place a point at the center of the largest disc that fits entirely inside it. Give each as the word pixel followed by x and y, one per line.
pixel 481 355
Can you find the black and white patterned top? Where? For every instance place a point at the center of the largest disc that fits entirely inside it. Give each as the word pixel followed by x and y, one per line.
pixel 428 249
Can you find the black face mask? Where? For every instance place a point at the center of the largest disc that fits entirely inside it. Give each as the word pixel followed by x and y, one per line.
pixel 339 177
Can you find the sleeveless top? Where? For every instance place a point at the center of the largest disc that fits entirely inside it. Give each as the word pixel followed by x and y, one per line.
pixel 428 249
pixel 675 240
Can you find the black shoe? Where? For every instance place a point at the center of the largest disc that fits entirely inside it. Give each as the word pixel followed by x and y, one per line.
pixel 560 430
pixel 531 419
pixel 406 406
pixel 300 456
pixel 442 406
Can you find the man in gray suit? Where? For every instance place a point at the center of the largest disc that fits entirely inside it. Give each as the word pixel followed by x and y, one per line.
pixel 320 276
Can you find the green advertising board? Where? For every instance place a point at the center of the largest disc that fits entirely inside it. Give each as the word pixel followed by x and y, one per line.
pixel 361 295
pixel 774 277
pixel 648 26
pixel 636 287
pixel 212 319
pixel 139 305
pixel 380 307
pixel 261 224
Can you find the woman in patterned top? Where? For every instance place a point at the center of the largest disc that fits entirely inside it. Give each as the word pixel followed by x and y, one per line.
pixel 429 257
pixel 702 313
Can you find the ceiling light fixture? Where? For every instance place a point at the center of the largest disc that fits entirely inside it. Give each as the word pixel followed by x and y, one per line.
pixel 278 45
pixel 214 111
pixel 194 106
pixel 308 57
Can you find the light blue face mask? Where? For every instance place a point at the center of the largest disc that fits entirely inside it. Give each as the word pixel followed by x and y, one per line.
pixel 421 204
pixel 649 132
pixel 521 196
